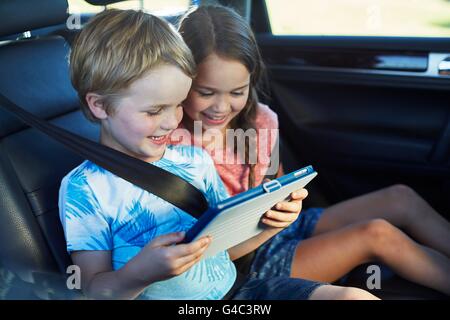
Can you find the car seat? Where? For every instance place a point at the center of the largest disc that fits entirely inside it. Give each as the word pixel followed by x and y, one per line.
pixel 34 74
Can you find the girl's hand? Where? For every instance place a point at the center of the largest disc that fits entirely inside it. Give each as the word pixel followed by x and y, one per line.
pixel 164 258
pixel 285 212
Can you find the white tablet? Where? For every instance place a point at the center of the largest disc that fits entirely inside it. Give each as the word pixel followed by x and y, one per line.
pixel 238 218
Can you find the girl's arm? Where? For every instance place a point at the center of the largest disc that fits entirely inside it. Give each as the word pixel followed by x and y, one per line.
pixel 280 171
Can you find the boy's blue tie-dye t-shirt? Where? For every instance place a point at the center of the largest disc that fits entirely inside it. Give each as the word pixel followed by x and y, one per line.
pixel 100 211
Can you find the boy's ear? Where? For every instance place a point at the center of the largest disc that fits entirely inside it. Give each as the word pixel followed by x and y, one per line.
pixel 95 104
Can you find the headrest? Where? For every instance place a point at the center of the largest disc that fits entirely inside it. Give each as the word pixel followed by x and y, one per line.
pixel 18 16
pixel 37 79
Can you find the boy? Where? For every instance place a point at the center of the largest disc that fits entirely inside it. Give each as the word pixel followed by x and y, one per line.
pixel 132 71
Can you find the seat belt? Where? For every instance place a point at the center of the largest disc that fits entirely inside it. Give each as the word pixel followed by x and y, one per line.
pixel 164 184
pixel 151 178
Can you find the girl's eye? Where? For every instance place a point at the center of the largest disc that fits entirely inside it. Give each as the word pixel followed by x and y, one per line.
pixel 236 93
pixel 205 94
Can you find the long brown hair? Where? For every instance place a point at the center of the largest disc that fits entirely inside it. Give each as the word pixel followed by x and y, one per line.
pixel 221 30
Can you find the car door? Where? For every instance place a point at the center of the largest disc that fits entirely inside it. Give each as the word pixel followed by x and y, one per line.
pixel 359 95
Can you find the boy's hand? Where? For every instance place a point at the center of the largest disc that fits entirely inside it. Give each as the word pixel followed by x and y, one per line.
pixel 163 258
pixel 285 212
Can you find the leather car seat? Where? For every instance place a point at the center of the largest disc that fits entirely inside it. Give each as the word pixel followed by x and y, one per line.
pixel 34 75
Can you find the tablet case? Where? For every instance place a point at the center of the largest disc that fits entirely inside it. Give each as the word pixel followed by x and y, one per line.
pixel 237 218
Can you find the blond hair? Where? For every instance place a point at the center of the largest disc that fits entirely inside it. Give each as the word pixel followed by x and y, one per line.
pixel 116 48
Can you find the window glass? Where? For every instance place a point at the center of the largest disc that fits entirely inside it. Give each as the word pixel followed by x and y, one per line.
pixel 157 7
pixel 416 18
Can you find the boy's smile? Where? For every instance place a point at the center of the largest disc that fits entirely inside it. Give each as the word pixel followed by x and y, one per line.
pixel 146 113
pixel 159 139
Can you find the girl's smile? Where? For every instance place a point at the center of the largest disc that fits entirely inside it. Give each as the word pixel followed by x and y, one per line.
pixel 219 92
pixel 213 119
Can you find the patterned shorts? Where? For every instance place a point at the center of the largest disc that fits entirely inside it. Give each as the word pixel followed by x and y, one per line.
pixel 274 258
pixel 278 288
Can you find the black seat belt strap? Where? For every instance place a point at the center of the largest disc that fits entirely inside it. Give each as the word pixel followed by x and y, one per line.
pixel 160 182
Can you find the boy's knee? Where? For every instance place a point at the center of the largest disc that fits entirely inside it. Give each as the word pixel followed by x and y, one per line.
pixel 377 229
pixel 380 235
pixel 356 294
pixel 330 292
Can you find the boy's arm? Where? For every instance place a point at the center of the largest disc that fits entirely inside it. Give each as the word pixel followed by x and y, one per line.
pixel 251 244
pixel 160 259
pixel 99 281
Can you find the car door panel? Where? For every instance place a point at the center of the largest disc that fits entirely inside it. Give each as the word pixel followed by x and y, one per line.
pixel 367 123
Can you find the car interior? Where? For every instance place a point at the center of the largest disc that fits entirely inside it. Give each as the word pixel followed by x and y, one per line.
pixel 345 105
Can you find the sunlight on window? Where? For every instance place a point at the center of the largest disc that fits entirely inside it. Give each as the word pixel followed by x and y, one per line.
pixel 81 6
pixel 422 18
pixel 157 7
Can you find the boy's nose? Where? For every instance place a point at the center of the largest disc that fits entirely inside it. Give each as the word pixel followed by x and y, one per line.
pixel 172 120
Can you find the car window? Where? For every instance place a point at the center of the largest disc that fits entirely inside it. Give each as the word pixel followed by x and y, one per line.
pixel 412 18
pixel 157 7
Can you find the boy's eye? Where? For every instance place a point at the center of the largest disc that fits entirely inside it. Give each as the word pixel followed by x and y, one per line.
pixel 153 113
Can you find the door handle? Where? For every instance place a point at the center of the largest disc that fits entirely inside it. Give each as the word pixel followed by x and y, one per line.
pixel 444 67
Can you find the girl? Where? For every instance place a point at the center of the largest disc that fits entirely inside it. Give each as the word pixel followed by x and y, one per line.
pixel 323 244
